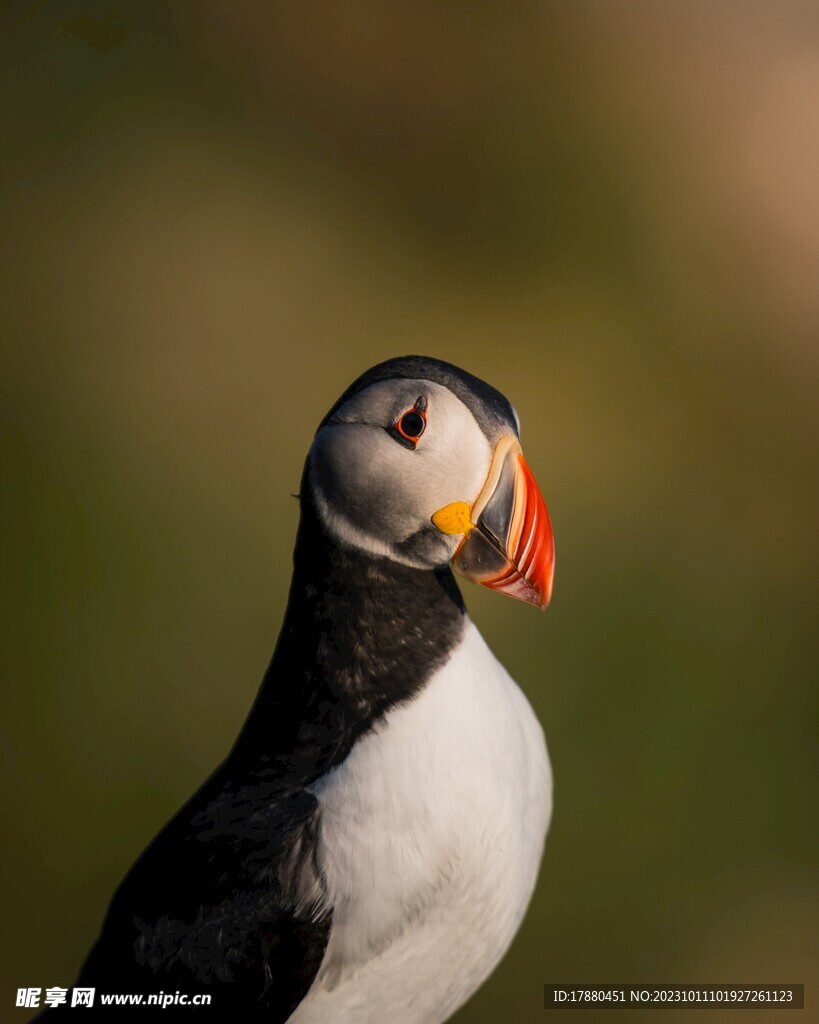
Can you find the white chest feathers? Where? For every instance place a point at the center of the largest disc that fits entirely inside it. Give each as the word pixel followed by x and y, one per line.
pixel 432 834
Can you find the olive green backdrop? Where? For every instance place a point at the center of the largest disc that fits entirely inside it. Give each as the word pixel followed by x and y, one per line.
pixel 215 215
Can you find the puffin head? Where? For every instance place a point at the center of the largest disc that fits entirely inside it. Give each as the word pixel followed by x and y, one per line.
pixel 420 462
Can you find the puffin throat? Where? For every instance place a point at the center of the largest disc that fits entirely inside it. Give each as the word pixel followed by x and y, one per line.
pixel 361 634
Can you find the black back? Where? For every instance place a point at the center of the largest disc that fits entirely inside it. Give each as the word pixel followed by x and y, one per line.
pixel 229 899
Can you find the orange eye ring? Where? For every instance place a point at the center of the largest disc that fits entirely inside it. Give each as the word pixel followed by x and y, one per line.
pixel 411 424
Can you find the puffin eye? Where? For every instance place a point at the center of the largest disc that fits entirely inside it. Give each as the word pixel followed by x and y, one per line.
pixel 411 424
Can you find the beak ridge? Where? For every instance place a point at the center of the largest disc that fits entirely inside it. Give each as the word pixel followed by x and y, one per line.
pixel 511 546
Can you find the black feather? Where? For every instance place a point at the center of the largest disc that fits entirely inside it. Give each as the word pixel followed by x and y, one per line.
pixel 229 899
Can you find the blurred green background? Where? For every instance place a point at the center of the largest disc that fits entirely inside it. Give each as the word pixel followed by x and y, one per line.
pixel 215 215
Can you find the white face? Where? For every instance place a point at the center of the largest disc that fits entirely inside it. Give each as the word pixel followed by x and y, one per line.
pixel 379 494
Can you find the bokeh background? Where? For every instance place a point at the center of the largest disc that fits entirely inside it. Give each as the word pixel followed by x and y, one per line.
pixel 215 215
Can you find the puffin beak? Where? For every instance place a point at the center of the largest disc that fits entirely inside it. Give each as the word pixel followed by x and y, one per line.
pixel 508 543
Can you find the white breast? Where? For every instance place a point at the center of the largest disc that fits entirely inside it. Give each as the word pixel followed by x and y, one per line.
pixel 432 834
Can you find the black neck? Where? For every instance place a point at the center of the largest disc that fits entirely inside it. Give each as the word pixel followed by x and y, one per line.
pixel 361 634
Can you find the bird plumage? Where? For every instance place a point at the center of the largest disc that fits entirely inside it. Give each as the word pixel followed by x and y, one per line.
pixel 368 848
pixel 432 833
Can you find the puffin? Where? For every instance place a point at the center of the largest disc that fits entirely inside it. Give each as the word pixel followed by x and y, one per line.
pixel 368 848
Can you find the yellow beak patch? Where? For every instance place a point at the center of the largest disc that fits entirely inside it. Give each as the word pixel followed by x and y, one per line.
pixel 453 518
